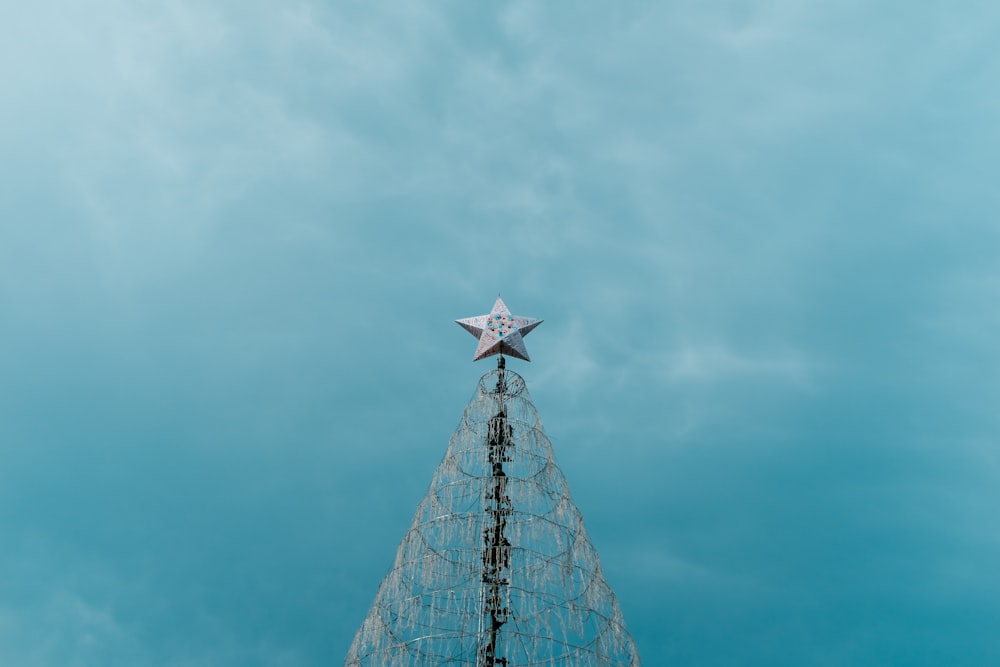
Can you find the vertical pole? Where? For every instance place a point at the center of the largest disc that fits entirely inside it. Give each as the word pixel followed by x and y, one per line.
pixel 496 549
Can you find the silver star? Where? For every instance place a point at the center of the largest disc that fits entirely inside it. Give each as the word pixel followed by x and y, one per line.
pixel 500 332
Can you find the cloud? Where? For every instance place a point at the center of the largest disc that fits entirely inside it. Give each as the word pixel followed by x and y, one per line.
pixel 714 363
pixel 759 235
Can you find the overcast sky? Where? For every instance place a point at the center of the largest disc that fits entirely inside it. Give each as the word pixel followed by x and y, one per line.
pixel 763 236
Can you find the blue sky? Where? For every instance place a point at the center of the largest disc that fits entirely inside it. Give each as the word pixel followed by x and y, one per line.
pixel 763 236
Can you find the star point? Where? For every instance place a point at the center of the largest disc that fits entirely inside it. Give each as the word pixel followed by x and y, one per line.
pixel 499 332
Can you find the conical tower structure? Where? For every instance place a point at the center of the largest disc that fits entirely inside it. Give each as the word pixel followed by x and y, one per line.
pixel 496 568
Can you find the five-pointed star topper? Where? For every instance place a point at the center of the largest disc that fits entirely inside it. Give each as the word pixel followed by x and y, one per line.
pixel 500 332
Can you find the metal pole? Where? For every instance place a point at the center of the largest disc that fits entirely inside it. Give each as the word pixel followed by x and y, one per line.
pixel 496 549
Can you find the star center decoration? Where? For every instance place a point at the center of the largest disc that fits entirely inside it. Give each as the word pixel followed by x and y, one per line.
pixel 499 332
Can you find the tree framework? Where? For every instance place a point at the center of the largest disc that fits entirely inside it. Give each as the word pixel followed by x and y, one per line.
pixel 496 568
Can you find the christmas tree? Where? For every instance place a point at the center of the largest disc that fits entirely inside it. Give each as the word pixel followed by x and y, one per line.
pixel 496 568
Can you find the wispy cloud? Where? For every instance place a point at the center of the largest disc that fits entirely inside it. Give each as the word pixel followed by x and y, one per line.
pixel 760 236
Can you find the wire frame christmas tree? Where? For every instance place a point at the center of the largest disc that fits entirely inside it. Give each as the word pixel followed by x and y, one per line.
pixel 496 568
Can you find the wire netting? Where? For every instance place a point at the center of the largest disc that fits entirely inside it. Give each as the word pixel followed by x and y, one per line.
pixel 496 568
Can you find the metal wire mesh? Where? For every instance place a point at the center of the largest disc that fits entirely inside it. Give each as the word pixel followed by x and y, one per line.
pixel 496 568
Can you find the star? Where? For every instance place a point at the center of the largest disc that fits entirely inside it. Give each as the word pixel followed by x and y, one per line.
pixel 500 332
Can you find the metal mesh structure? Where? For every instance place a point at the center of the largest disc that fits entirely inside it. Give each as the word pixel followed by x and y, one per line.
pixel 496 569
